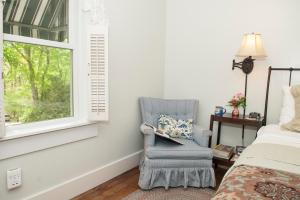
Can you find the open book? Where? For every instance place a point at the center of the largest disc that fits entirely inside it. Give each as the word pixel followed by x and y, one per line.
pixel 163 135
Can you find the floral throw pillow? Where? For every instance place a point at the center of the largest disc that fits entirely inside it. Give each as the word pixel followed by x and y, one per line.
pixel 175 128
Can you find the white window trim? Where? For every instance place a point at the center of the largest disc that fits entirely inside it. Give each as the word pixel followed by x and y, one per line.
pixel 32 129
pixel 12 147
pixel 48 134
pixel 37 41
pixel 79 117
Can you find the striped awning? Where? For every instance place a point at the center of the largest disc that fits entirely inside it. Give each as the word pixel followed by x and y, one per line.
pixel 44 19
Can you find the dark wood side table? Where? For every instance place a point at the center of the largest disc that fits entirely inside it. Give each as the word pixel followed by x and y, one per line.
pixel 227 118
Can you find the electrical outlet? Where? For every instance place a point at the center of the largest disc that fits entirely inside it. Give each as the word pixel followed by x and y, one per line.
pixel 14 178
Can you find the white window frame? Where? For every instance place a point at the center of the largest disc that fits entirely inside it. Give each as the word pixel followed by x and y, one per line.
pixel 79 116
pixel 28 138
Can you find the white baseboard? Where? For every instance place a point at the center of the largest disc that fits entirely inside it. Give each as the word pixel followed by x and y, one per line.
pixel 89 180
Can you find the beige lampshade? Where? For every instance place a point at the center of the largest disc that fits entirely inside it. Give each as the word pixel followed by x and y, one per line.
pixel 252 46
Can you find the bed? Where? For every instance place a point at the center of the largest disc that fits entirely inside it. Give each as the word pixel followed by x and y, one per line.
pixel 267 169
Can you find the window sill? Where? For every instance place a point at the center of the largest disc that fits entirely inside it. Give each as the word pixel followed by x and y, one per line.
pixel 31 131
pixel 28 140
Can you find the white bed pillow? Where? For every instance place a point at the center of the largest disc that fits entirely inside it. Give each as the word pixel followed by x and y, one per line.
pixel 288 106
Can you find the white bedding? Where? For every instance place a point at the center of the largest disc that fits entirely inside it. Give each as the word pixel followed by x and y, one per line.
pixel 273 134
pixel 273 149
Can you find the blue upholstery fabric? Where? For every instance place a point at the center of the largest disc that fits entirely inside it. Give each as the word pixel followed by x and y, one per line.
pixel 189 151
pixel 201 136
pixel 174 173
pixel 170 165
pixel 178 109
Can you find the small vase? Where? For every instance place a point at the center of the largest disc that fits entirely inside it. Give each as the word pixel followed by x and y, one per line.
pixel 235 112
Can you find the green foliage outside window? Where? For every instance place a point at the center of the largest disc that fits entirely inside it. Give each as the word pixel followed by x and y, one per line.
pixel 37 82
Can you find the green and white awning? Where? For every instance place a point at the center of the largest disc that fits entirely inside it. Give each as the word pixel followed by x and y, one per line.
pixel 44 19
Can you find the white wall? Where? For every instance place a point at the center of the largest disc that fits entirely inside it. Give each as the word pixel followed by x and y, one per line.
pixel 202 38
pixel 136 52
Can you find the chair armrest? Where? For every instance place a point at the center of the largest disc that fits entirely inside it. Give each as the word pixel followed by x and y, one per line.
pixel 201 136
pixel 146 129
pixel 149 136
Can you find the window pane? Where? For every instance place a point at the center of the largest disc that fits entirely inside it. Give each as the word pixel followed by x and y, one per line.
pixel 44 19
pixel 37 83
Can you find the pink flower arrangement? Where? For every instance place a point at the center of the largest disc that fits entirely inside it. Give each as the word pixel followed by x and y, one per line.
pixel 238 100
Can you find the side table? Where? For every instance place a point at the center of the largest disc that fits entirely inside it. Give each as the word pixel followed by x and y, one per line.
pixel 227 118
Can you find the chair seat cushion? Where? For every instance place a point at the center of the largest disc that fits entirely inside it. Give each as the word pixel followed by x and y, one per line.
pixel 167 150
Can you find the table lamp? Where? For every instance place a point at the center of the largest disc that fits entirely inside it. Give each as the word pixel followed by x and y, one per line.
pixel 251 48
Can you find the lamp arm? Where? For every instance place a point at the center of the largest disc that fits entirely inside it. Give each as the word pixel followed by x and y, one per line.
pixel 236 65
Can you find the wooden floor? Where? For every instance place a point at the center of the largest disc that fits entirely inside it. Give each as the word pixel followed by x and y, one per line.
pixel 123 185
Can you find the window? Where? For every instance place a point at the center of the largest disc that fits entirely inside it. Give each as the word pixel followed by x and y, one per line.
pixel 37 83
pixel 37 61
pixel 51 79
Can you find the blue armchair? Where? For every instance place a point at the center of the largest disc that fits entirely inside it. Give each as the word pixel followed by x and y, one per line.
pixel 168 165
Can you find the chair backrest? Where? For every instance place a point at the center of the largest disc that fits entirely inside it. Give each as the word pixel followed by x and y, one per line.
pixel 151 108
